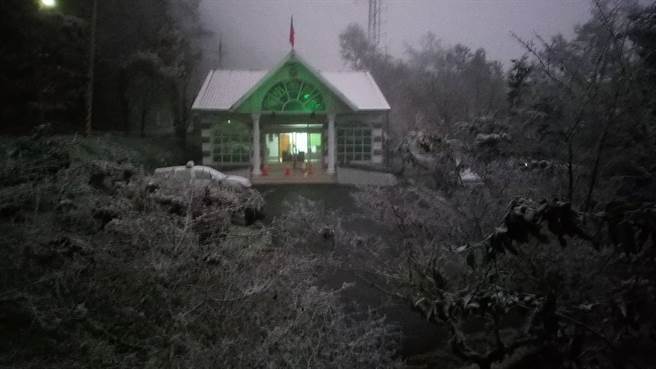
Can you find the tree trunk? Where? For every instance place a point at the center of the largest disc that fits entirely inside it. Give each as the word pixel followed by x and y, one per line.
pixel 123 99
pixel 570 171
pixel 144 115
pixel 599 149
pixel 184 120
pixel 595 168
pixel 88 126
pixel 181 115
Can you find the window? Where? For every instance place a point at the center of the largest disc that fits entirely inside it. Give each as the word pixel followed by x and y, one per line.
pixel 232 143
pixel 353 143
pixel 293 95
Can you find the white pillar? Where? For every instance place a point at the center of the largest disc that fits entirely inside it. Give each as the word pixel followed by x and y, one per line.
pixel 331 144
pixel 257 160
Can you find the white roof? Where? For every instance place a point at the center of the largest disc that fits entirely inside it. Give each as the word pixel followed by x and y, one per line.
pixel 223 88
pixel 359 87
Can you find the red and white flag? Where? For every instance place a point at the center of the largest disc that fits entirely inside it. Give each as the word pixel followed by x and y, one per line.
pixel 292 34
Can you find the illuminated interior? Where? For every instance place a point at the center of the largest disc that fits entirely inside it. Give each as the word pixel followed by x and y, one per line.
pixel 293 146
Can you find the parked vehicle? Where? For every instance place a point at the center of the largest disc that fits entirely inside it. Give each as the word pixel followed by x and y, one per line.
pixel 250 201
pixel 202 172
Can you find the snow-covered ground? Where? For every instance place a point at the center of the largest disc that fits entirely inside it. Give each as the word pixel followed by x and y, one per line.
pixel 353 176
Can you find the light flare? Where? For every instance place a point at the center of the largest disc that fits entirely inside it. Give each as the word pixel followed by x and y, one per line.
pixel 48 3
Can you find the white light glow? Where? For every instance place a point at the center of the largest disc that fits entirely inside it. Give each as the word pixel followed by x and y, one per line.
pixel 49 3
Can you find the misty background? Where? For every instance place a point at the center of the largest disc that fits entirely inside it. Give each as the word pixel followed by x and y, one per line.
pixel 254 33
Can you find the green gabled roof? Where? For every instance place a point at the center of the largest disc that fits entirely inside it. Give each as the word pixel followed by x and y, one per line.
pixel 292 56
pixel 232 90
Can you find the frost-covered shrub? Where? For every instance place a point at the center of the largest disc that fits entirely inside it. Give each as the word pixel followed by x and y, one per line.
pixel 104 269
pixel 540 283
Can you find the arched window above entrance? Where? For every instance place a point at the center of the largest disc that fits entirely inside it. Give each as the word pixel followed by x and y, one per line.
pixel 293 95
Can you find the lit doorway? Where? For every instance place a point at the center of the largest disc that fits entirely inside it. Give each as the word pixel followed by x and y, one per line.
pixel 293 146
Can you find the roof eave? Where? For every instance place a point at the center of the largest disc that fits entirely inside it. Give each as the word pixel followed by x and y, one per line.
pixel 259 83
pixel 330 86
pixel 219 110
pixel 373 110
pixel 293 55
pixel 203 90
pixel 382 95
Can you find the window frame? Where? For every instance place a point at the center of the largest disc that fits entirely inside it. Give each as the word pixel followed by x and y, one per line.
pixel 231 143
pixel 354 143
pixel 305 96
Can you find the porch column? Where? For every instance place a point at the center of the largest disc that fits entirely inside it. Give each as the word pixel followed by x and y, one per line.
pixel 331 144
pixel 257 160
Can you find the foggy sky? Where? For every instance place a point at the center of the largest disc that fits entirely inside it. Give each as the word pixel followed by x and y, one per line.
pixel 255 32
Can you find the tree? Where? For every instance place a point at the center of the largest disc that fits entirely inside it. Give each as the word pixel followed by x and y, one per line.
pixel 147 82
pixel 454 84
pixel 45 62
pixel 588 91
pixel 550 283
pixel 541 287
pixel 643 33
pixel 42 63
pixel 180 51
pixel 390 74
pixel 437 87
pixel 518 80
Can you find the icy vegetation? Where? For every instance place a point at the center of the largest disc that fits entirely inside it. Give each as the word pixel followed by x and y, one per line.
pixel 104 266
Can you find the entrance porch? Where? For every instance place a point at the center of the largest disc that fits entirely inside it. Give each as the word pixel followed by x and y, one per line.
pixel 287 148
pixel 285 173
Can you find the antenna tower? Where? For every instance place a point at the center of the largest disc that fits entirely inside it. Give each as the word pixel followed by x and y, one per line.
pixel 374 25
pixel 220 53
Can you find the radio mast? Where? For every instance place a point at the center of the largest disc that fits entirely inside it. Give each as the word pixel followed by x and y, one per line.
pixel 375 20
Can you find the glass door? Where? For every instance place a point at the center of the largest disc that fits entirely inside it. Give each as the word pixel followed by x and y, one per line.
pixel 297 146
pixel 272 148
pixel 314 147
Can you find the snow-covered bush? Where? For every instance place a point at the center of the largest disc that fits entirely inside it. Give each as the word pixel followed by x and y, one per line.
pixel 103 268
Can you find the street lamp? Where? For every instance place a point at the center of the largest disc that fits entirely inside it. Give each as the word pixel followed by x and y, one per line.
pixel 48 3
pixel 88 124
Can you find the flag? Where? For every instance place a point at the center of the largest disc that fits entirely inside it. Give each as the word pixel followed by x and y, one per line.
pixel 292 34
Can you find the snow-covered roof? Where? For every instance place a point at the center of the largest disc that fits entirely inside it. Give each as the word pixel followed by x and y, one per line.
pixel 222 89
pixel 359 87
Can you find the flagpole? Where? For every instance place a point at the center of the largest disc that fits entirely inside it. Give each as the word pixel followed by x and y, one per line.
pixel 292 34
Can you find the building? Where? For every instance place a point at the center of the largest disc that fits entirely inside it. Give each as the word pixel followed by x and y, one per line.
pixel 290 118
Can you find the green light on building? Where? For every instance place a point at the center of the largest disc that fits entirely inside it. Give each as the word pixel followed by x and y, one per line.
pixel 293 96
